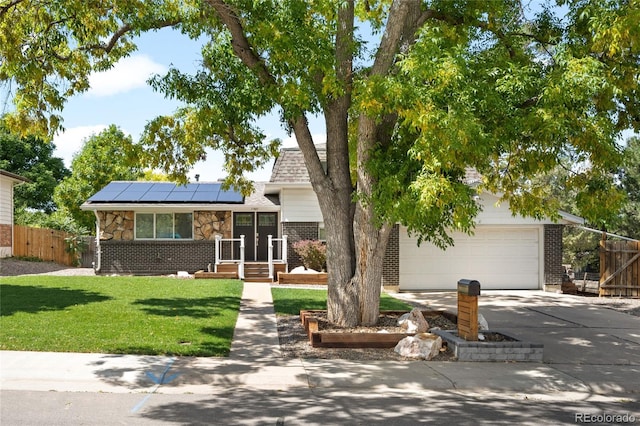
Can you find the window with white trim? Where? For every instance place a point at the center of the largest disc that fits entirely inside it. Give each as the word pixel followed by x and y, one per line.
pixel 322 234
pixel 164 226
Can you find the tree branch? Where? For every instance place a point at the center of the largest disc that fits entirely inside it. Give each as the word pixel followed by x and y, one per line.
pixel 337 110
pixel 240 43
pixel 5 9
pixel 122 31
pixel 392 37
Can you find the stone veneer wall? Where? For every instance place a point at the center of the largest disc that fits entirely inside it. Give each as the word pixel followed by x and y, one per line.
pixel 208 224
pixel 116 225
pixel 553 269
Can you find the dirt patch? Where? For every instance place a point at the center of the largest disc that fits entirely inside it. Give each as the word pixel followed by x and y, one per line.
pixel 10 267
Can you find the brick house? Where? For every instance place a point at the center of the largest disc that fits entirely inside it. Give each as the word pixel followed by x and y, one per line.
pixel 7 181
pixel 505 252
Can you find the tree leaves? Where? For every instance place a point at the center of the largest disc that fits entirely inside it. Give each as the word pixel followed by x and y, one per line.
pixel 105 157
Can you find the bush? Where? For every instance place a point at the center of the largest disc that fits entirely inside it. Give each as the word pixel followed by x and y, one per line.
pixel 313 254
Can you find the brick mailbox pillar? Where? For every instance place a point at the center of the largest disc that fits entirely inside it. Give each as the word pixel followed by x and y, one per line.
pixel 468 292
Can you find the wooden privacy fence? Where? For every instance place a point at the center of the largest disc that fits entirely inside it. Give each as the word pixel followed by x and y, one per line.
pixel 620 268
pixel 45 244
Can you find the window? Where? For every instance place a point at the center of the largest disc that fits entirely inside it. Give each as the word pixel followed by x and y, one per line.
pixel 244 219
pixel 322 234
pixel 162 226
pixel 184 225
pixel 144 225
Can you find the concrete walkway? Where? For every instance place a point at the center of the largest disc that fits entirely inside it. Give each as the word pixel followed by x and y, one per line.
pixel 588 350
pixel 256 332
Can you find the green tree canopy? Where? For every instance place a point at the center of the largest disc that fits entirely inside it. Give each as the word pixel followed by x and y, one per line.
pixel 629 225
pixel 437 87
pixel 32 158
pixel 104 157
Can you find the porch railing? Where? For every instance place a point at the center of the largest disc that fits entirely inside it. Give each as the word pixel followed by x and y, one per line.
pixel 225 252
pixel 281 256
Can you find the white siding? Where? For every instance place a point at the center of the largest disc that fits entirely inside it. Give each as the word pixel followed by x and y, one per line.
pixel 300 205
pixel 500 214
pixel 499 257
pixel 6 200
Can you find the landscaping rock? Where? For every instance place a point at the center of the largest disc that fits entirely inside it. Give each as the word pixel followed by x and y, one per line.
pixel 302 270
pixel 422 345
pixel 414 322
pixel 482 323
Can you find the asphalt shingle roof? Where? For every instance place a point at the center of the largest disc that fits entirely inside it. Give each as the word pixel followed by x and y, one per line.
pixel 290 168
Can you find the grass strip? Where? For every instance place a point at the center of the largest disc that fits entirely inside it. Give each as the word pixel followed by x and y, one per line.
pixel 289 301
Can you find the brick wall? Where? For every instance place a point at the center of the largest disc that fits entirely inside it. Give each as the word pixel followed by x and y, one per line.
pixel 391 263
pixel 553 270
pixel 5 235
pixel 297 231
pixel 155 257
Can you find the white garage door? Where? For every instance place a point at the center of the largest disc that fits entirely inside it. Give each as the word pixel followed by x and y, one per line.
pixel 500 258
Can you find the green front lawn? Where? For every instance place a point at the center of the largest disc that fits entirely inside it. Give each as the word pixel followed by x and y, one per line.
pixel 121 315
pixel 289 301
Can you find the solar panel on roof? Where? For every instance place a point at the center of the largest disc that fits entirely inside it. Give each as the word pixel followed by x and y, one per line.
pixel 209 187
pixel 128 196
pixel 115 186
pixel 163 186
pixel 205 197
pixel 142 186
pixel 230 197
pixel 155 196
pixel 190 187
pixel 180 196
pixel 158 192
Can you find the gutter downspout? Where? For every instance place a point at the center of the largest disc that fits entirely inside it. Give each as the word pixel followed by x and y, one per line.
pixel 98 265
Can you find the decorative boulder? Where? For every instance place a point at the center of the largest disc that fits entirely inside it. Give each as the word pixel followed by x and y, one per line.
pixel 422 345
pixel 302 270
pixel 414 322
pixel 482 323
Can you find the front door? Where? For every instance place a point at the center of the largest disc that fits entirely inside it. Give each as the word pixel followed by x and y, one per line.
pixel 244 224
pixel 256 228
pixel 267 225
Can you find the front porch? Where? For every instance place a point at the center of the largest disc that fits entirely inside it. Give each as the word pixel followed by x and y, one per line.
pixel 253 272
pixel 230 260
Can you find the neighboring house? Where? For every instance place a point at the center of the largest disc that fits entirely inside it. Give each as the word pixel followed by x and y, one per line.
pixel 7 181
pixel 505 252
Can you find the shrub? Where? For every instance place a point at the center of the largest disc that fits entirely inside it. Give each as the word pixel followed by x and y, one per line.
pixel 313 254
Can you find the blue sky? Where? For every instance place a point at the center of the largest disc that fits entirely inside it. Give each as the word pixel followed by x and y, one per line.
pixel 122 97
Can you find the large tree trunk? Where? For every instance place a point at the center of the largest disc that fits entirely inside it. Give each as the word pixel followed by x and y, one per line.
pixel 356 243
pixel 371 244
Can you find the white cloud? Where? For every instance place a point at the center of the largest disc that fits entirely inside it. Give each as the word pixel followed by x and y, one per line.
pixel 70 141
pixel 128 74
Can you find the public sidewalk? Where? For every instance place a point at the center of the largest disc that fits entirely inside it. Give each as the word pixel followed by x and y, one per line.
pixel 587 350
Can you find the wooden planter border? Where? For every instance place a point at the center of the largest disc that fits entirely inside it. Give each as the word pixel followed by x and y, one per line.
pixel 320 339
pixel 303 278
